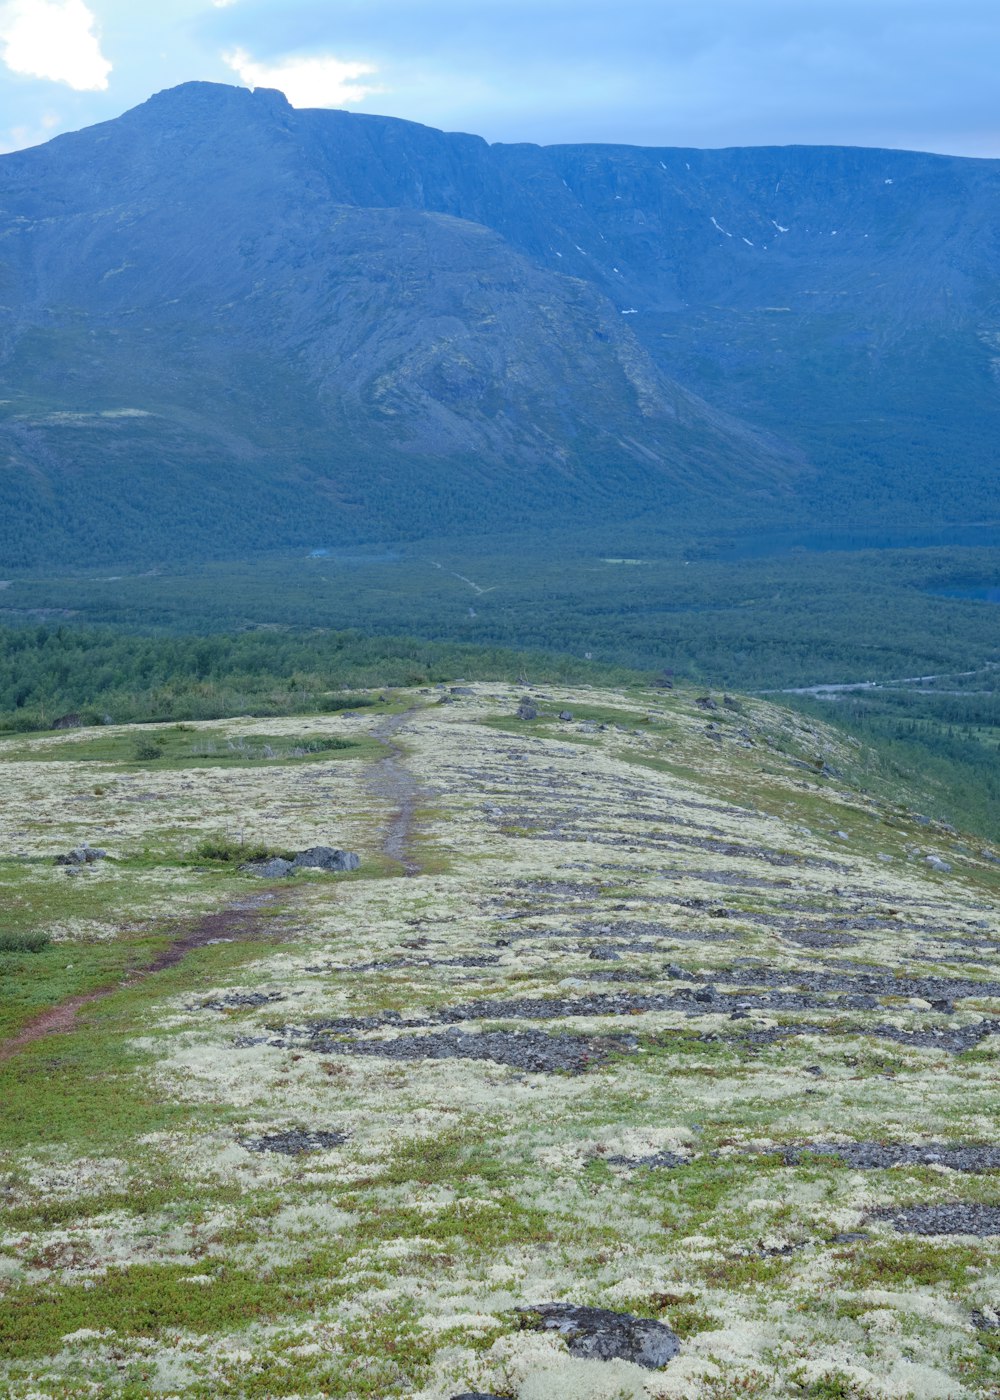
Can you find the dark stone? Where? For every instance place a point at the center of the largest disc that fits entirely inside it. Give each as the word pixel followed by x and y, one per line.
pixel 462 690
pixel 566 715
pixel 326 858
pixel 599 1335
pixel 81 855
pixel 527 709
pixel 273 869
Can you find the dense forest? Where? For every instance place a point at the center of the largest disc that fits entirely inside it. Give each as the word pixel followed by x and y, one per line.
pixel 64 676
pixel 782 617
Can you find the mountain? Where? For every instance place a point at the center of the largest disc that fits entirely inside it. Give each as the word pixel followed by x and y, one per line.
pixel 232 325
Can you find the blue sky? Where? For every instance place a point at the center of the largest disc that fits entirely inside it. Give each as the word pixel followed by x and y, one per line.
pixel 920 74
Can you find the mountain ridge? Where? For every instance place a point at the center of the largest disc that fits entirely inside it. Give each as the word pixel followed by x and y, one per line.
pixel 274 302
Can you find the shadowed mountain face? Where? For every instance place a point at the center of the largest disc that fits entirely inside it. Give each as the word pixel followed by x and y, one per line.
pixel 229 325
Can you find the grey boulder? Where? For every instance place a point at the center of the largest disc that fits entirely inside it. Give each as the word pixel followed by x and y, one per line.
pixel 81 855
pixel 326 858
pixel 315 858
pixel 271 869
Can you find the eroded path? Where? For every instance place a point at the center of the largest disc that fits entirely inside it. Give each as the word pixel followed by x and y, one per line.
pixel 392 781
pixel 239 922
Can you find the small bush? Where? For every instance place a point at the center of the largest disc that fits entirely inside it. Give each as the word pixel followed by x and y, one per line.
pixel 145 750
pixel 23 942
pixel 328 745
pixel 228 850
pixel 330 703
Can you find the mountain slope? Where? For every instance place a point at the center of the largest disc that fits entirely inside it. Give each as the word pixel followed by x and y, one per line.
pixel 199 331
pixel 231 324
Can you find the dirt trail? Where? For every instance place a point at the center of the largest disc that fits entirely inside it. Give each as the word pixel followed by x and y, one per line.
pixel 236 923
pixel 241 921
pixel 391 779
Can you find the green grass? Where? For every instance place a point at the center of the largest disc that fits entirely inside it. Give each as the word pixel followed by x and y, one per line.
pixel 84 1089
pixel 183 746
pixel 227 851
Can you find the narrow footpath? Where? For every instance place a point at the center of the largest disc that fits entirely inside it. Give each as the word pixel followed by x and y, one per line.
pixel 393 781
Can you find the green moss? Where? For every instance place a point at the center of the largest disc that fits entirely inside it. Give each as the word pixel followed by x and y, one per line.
pixel 912 1263
pixel 148 1300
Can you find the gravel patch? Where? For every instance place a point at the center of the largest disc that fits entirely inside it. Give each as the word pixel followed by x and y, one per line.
pixel 294 1141
pixel 951 1219
pixel 664 1159
pixel 235 999
pixel 868 1156
pixel 873 983
pixel 954 1041
pixel 527 1050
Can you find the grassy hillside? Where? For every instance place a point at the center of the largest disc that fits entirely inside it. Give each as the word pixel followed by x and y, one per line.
pixel 667 1018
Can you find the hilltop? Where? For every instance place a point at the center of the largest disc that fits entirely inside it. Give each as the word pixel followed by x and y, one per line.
pixel 638 1003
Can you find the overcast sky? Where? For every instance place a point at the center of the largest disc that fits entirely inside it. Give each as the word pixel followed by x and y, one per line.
pixel 920 74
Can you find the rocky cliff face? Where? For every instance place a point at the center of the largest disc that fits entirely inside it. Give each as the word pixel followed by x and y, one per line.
pixel 217 307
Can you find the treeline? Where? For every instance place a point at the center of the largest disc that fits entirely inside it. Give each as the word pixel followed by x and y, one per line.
pixel 101 677
pixel 946 747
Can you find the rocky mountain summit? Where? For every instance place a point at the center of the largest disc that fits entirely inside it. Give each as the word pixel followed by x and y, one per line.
pixel 644 1054
pixel 217 307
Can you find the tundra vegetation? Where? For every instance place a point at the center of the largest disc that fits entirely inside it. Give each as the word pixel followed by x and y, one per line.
pixel 669 1017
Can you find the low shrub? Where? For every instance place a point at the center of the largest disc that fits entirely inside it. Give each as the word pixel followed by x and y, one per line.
pixel 229 850
pixel 11 942
pixel 330 703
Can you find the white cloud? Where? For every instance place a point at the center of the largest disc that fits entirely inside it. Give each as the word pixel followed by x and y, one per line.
pixel 322 81
pixel 53 39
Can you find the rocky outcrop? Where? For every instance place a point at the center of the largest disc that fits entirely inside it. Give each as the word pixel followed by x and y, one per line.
pixel 326 858
pixel 600 1335
pixel 83 854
